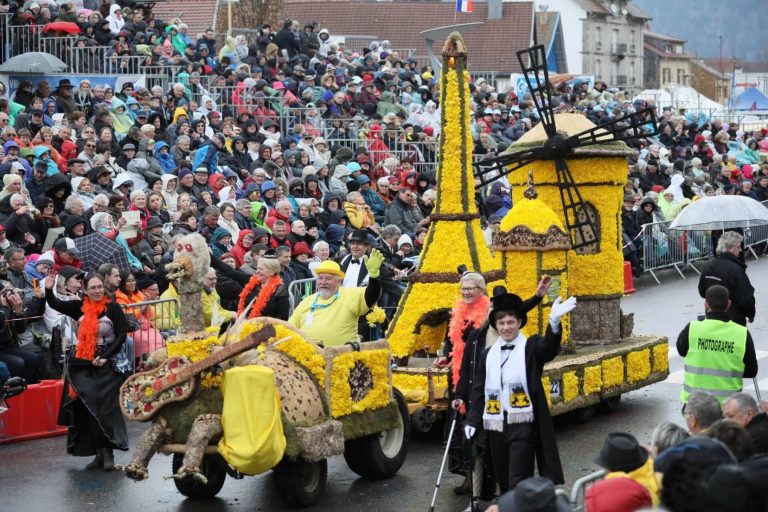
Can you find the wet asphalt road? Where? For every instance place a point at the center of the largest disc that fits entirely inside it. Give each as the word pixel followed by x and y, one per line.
pixel 39 476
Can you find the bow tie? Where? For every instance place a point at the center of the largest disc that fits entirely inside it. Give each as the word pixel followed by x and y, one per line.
pixel 354 262
pixel 508 346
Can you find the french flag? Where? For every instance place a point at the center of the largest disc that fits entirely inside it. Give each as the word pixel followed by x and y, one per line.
pixel 463 5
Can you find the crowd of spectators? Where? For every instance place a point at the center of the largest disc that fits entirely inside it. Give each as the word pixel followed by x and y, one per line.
pixel 717 462
pixel 288 143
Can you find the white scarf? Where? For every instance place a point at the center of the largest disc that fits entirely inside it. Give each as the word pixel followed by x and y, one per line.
pixel 506 385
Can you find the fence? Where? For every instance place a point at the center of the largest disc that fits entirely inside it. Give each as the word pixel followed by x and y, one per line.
pixel 300 289
pixel 664 248
pixel 151 322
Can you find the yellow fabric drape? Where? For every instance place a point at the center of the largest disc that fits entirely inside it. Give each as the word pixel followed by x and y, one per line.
pixel 253 440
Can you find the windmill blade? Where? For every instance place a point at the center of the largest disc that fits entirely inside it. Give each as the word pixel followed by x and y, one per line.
pixel 492 169
pixel 538 84
pixel 630 126
pixel 578 220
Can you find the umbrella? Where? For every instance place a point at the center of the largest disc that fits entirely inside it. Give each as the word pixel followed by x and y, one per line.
pixel 34 62
pixel 721 213
pixel 96 249
pixel 62 26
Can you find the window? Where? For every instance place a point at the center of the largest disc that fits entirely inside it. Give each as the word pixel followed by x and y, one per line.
pixel 681 77
pixel 666 76
pixel 593 244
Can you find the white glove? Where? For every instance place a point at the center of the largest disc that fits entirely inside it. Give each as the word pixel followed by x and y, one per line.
pixel 558 309
pixel 469 431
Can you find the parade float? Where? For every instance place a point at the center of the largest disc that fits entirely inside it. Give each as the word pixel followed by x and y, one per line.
pixel 261 396
pixel 565 225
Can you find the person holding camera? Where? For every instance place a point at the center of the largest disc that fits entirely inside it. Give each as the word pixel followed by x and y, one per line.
pixel 20 361
pixel 92 378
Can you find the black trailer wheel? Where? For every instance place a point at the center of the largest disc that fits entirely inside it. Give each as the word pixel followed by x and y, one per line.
pixel 585 414
pixel 300 482
pixel 611 404
pixel 381 455
pixel 192 488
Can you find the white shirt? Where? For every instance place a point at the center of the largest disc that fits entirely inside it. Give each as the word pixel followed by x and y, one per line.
pixel 353 273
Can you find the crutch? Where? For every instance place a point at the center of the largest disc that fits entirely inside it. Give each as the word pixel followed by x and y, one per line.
pixel 442 464
pixel 757 389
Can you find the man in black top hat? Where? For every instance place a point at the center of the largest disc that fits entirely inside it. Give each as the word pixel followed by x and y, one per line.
pixel 508 400
pixel 63 94
pixel 355 273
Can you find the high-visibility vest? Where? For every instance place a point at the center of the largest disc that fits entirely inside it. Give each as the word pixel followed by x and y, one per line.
pixel 715 359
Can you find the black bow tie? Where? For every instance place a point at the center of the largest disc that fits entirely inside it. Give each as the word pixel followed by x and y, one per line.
pixel 354 262
pixel 509 346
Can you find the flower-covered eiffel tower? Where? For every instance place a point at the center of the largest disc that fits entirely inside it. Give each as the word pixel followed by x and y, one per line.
pixel 455 237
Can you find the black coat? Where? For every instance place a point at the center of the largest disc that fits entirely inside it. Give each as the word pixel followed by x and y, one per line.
pixel 475 344
pixel 728 271
pixel 758 431
pixel 538 351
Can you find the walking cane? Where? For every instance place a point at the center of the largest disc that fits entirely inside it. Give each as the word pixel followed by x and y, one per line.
pixel 442 464
pixel 757 389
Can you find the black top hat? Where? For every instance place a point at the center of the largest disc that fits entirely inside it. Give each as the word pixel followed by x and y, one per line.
pixel 359 235
pixel 621 452
pixel 507 302
pixel 533 494
pixel 64 82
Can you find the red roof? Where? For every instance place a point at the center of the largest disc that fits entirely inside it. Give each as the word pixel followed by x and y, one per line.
pixel 491 48
pixel 198 15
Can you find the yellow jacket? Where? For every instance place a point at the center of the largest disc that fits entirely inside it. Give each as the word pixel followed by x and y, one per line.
pixel 645 476
pixel 168 316
pixel 212 309
pixel 358 218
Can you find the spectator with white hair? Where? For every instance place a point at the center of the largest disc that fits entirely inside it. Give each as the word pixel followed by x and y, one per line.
pixel 742 409
pixel 730 271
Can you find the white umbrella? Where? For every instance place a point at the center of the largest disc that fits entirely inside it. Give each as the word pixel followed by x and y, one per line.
pixel 34 62
pixel 721 213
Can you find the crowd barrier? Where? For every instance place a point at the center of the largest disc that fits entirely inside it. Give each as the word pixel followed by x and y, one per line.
pixel 664 248
pixel 151 322
pixel 300 289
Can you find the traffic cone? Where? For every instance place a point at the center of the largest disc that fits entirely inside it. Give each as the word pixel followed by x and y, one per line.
pixel 628 286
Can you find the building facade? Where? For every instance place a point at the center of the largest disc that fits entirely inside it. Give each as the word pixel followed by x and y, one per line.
pixel 666 61
pixel 604 38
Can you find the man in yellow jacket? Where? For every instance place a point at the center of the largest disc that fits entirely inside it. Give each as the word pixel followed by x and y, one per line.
pixel 213 313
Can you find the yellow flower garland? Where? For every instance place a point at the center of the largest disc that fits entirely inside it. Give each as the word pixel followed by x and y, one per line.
pixel 415 387
pixel 661 357
pixel 613 372
pixel 570 386
pixel 638 365
pixel 377 362
pixel 593 379
pixel 376 316
pixel 545 382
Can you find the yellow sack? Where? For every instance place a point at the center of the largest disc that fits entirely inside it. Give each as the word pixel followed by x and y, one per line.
pixel 253 440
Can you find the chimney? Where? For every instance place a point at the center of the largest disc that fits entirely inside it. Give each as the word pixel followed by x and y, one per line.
pixel 495 9
pixel 542 15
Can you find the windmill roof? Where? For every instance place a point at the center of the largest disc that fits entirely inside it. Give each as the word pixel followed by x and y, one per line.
pixel 570 123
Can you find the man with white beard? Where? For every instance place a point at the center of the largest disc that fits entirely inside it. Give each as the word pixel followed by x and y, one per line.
pixel 330 316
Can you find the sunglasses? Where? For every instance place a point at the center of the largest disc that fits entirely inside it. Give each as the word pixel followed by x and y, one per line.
pixel 90 145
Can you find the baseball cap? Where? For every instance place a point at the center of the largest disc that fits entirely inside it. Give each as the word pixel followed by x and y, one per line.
pixel 67 245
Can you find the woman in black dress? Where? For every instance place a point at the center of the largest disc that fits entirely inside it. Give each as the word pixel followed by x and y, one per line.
pixel 89 406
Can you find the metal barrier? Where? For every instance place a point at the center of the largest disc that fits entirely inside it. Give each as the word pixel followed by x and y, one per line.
pixel 663 248
pixel 756 238
pixel 300 289
pixel 579 489
pixel 152 322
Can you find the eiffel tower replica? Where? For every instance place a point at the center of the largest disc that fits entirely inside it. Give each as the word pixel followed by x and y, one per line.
pixel 455 236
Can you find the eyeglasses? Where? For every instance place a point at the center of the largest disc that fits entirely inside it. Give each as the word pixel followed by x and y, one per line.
pixel 90 145
pixel 469 290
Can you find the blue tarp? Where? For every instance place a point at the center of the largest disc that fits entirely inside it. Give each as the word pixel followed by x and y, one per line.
pixel 751 99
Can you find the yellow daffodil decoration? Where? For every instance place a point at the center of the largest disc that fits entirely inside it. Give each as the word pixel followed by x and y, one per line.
pixel 455 236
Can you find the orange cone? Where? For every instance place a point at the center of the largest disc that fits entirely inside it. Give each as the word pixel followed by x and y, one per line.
pixel 628 286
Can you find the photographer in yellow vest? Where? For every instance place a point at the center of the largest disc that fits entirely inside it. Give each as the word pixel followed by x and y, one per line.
pixel 718 352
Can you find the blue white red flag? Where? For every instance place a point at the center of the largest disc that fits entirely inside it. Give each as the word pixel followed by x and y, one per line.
pixel 463 5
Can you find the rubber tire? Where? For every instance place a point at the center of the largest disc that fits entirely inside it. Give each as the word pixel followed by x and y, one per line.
pixel 192 488
pixel 585 414
pixel 365 456
pixel 290 478
pixel 611 404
